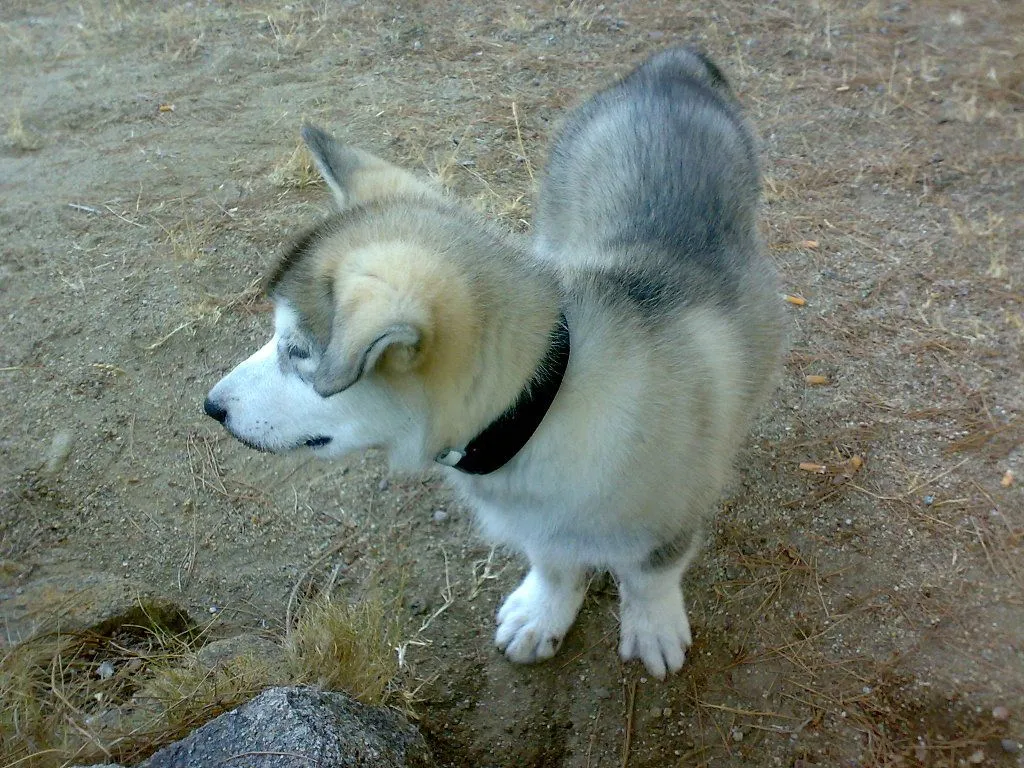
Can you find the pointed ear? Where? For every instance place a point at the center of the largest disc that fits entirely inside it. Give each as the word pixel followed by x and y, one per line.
pixel 381 331
pixel 355 176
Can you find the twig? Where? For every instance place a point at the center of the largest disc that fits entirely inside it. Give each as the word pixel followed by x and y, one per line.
pixel 446 593
pixel 122 218
pixel 519 136
pixel 85 208
pixel 630 708
pixel 240 755
pixel 745 712
pixel 305 574
pixel 485 575
pixel 165 339
pixel 910 491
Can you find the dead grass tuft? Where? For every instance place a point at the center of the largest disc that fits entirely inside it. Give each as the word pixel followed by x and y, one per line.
pixel 20 137
pixel 297 171
pixel 124 689
pixel 342 646
pixel 184 694
pixel 65 694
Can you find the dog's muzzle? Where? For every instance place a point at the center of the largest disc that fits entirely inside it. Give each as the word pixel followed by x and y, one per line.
pixel 219 414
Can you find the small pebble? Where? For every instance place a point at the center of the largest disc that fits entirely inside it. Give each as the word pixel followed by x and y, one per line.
pixel 737 734
pixel 440 515
pixel 929 500
pixel 383 485
pixel 105 670
pixel 418 606
pixel 58 453
pixel 214 609
pixel 1010 746
pixel 1000 713
pixel 977 758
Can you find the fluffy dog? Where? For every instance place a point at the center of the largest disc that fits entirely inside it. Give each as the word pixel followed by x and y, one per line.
pixel 585 391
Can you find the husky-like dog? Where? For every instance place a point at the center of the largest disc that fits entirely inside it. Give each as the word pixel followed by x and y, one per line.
pixel 586 392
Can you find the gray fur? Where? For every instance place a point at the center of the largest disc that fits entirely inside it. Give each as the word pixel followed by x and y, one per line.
pixel 670 551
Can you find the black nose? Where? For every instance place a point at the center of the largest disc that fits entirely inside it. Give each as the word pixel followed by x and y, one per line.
pixel 215 411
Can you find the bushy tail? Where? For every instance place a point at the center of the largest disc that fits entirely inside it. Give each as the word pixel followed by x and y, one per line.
pixel 684 64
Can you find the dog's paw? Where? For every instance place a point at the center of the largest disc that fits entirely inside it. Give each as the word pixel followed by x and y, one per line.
pixel 534 619
pixel 657 632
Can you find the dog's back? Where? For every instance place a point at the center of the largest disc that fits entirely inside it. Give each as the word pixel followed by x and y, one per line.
pixel 662 161
pixel 650 202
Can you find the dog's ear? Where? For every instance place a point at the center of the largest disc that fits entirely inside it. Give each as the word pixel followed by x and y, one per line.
pixel 375 328
pixel 355 176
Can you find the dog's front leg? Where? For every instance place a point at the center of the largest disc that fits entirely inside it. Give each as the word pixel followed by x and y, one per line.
pixel 655 628
pixel 534 619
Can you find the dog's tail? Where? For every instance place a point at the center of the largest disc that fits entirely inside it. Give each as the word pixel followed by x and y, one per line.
pixel 684 64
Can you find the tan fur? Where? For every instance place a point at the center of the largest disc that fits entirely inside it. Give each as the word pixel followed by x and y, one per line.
pixel 480 338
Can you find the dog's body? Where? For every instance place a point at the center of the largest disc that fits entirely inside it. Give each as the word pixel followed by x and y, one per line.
pixel 407 323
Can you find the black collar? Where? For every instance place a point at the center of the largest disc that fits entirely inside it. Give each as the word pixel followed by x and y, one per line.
pixel 504 437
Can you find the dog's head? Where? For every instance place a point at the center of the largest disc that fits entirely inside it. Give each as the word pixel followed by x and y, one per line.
pixel 367 322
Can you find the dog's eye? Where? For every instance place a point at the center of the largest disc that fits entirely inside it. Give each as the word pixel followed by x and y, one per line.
pixel 297 353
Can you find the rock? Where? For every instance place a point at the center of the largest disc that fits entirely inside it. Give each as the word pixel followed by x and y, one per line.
pixel 58 453
pixel 221 653
pixel 97 602
pixel 298 727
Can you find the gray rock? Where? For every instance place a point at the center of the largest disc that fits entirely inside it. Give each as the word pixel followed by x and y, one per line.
pixel 219 653
pixel 58 453
pixel 95 602
pixel 297 728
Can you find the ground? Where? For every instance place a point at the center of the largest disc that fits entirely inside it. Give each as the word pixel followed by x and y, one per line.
pixel 865 612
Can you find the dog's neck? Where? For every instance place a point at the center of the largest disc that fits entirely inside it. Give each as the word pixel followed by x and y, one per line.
pixel 504 437
pixel 497 334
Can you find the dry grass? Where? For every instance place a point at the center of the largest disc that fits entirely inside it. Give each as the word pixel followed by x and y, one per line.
pixel 20 137
pixel 67 695
pixel 187 238
pixel 297 171
pixel 250 300
pixel 348 647
pixel 122 690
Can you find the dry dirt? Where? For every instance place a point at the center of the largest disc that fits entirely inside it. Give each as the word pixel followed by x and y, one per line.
pixel 859 617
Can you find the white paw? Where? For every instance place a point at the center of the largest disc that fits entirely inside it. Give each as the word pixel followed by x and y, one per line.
pixel 535 618
pixel 657 632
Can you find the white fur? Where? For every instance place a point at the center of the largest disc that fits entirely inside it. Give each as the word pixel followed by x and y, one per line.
pixel 273 407
pixel 655 628
pixel 534 619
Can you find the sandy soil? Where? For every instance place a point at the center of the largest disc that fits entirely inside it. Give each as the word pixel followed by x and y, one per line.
pixel 863 616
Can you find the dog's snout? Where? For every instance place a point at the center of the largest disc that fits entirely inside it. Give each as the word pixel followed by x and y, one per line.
pixel 215 410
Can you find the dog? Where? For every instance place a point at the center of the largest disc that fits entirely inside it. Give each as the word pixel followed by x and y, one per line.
pixel 586 389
